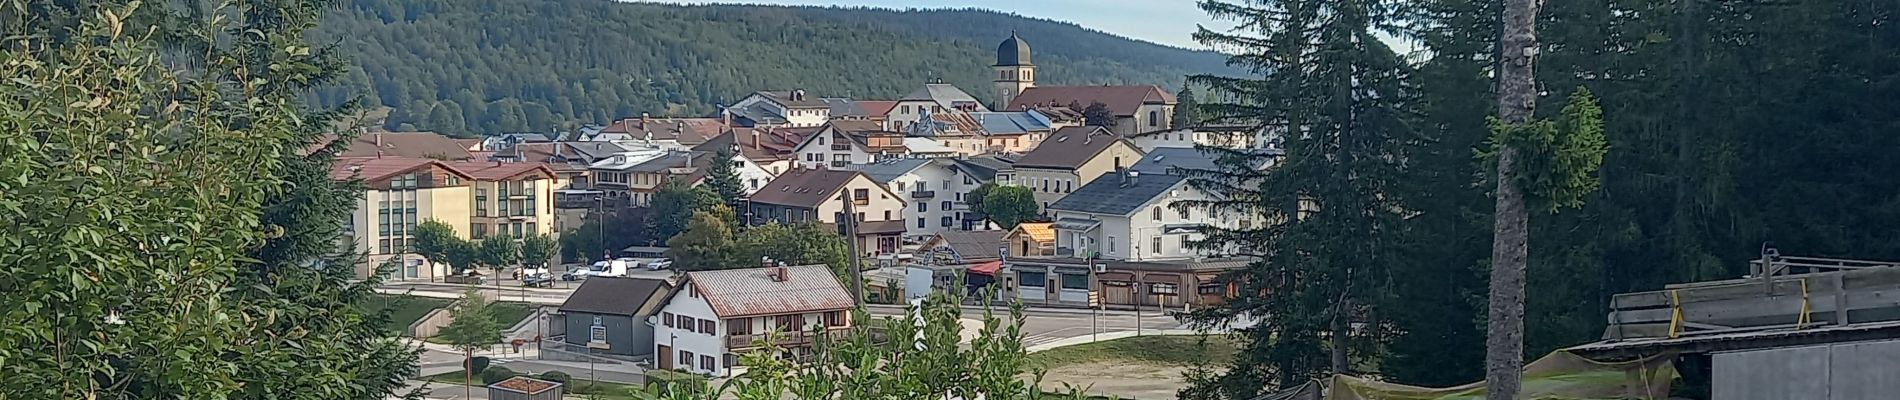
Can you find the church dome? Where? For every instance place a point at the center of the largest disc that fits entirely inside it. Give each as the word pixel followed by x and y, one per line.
pixel 1013 51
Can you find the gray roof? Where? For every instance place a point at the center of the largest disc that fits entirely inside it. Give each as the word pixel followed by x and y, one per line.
pixel 596 150
pixel 1007 122
pixel 1161 160
pixel 944 94
pixel 796 98
pixel 672 159
pixel 1013 51
pixel 843 107
pixel 736 293
pixel 615 295
pixel 984 167
pixel 885 171
pixel 1069 147
pixel 1111 194
pixel 758 113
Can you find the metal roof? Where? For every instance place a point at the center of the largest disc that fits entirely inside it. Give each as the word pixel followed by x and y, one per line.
pixel 1013 51
pixel 886 170
pixel 1163 160
pixel 616 296
pixel 1012 122
pixel 736 293
pixel 1117 194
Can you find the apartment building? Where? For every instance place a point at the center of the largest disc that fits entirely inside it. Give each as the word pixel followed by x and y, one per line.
pixel 400 193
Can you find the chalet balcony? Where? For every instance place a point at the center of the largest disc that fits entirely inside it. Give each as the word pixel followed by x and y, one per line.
pixel 785 339
pixel 841 147
pixel 923 194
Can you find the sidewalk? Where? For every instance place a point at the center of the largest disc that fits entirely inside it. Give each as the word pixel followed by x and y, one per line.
pixel 1107 336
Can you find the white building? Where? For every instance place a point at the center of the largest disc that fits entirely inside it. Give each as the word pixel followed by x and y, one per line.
pixel 1132 216
pixel 781 108
pixel 846 142
pixel 933 98
pixel 1224 136
pixel 714 316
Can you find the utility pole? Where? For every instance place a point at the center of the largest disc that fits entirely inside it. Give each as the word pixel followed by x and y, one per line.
pixel 849 227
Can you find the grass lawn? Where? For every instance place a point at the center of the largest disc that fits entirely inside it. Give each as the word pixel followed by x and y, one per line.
pixel 510 313
pixel 1171 349
pixel 405 310
pixel 452 381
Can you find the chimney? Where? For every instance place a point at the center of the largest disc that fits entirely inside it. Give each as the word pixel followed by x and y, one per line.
pixel 679 126
pixel 644 119
pixel 766 261
pixel 798 94
pixel 756 145
pixel 1131 178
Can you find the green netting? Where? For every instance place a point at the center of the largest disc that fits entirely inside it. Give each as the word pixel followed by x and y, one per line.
pixel 1558 376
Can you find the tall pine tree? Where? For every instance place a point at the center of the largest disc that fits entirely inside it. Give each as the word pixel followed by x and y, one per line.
pixel 1337 95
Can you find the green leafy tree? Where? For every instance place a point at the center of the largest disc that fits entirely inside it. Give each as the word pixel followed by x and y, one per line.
pixel 537 249
pixel 472 326
pixel 803 244
pixel 673 206
pixel 1008 205
pixel 976 196
pixel 434 241
pixel 706 244
pixel 723 179
pixel 1329 201
pixel 1187 109
pixel 498 252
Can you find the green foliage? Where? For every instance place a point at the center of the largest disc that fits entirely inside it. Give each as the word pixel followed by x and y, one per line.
pixel 496 374
pixel 803 244
pixel 723 179
pixel 1008 205
pixel 976 196
pixel 1187 109
pixel 1557 160
pixel 1097 114
pixel 555 376
pixel 436 62
pixel 498 252
pixel 477 364
pixel 434 241
pixel 706 244
pixel 472 324
pixel 537 249
pixel 674 203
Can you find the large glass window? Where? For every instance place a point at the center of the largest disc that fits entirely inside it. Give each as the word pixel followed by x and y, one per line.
pixel 1075 281
pixel 1032 279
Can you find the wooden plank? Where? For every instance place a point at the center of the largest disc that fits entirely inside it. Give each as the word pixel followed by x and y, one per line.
pixel 1839 284
pixel 1784 285
pixel 1735 312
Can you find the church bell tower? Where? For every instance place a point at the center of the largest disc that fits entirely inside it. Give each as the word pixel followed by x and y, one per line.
pixel 1014 72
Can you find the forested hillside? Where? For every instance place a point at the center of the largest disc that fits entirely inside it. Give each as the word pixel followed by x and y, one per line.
pixel 471 67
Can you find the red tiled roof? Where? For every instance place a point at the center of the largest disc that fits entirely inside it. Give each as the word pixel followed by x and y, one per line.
pixel 1123 100
pixel 804 187
pixel 372 169
pixel 688 131
pixel 495 171
pixel 739 293
pixel 406 144
pixel 877 108
pixel 523 384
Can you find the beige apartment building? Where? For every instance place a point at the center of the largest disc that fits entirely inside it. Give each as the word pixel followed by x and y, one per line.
pixel 400 193
pixel 1068 159
pixel 515 199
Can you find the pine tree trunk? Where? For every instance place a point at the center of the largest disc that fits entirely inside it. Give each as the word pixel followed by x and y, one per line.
pixel 1517 98
pixel 1341 336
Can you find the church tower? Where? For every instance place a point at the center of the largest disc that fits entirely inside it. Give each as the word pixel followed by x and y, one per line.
pixel 1014 73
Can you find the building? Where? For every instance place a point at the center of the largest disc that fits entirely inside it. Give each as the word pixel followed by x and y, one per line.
pixel 515 199
pixel 1031 239
pixel 772 149
pixel 816 196
pixel 962 247
pixel 1178 161
pixel 1224 136
pixel 525 388
pixel 746 157
pixel 919 181
pixel 399 193
pixel 1014 73
pixel 1136 229
pixel 716 315
pixel 1070 158
pixel 791 108
pixel 406 145
pixel 608 315
pixel 845 142
pixel 1137 108
pixel 1019 131
pixel 614 176
pixel 932 98
pixel 663 133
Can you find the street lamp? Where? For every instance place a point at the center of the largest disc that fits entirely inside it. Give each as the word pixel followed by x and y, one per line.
pixel 600 225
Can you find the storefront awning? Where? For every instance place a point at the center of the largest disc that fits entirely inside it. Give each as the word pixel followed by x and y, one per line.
pixel 988 268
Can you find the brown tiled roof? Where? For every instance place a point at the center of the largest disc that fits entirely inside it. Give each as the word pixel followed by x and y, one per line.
pixel 616 296
pixel 373 169
pixel 877 108
pixel 688 131
pixel 406 144
pixel 876 227
pixel 755 144
pixel 739 293
pixel 1123 100
pixel 857 126
pixel 525 385
pixel 804 187
pixel 495 171
pixel 1069 147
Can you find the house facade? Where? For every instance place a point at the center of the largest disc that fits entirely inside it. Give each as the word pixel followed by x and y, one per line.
pixel 843 143
pixel 514 199
pixel 1070 158
pixel 1137 108
pixel 716 315
pixel 932 98
pixel 400 193
pixel 608 315
pixel 816 196
pixel 792 108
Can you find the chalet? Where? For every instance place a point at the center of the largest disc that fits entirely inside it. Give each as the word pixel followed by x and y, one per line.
pixel 793 108
pixel 818 196
pixel 845 142
pixel 1069 158
pixel 714 316
pixel 608 315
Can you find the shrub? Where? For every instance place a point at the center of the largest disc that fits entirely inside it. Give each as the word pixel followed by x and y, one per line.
pixel 496 374
pixel 477 364
pixel 555 376
pixel 665 380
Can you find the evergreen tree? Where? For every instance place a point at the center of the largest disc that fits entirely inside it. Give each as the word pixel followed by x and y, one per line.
pixel 723 179
pixel 1098 114
pixel 673 206
pixel 1187 109
pixel 1321 259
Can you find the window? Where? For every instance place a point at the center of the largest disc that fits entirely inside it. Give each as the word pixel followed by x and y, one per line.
pixel 707 326
pixel 946 205
pixel 708 363
pixel 900 187
pixel 1111 245
pixel 1157 213
pixel 667 318
pixel 477 230
pixel 1154 118
pixel 1075 281
pixel 834 318
pixel 785 323
pixel 737 327
pixel 1185 212
pixel 821 140
pixel 1068 185
pixel 887 215
pixel 920 222
pixel 1162 288
pixel 1045 184
pixel 901 110
pixel 1156 241
pixel 923 206
pixel 1210 288
pixel 686 322
pixel 686 357
pixel 1184 243
pixel 947 221
pixel 861 194
pixel 1032 279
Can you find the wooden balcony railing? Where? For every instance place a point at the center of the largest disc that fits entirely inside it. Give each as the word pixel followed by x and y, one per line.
pixel 801 338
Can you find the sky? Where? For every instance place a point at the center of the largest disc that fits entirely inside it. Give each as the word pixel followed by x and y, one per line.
pixel 1169 22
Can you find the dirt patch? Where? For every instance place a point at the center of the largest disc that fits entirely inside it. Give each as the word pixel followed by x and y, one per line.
pixel 1124 379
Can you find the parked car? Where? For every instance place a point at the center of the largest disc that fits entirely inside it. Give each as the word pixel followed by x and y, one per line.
pixel 660 264
pixel 538 280
pixel 616 267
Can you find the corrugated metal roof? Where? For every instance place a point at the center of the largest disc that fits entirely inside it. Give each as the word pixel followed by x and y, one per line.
pixel 1117 194
pixel 735 293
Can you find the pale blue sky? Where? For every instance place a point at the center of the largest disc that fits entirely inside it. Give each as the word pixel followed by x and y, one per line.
pixel 1169 22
